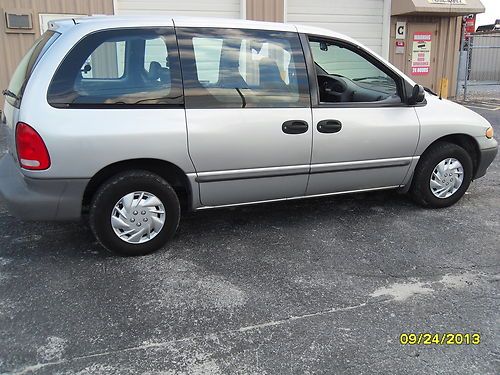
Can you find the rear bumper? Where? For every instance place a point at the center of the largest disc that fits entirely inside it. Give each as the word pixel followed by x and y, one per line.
pixel 486 158
pixel 39 199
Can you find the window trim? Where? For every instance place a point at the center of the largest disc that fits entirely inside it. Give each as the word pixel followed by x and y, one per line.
pixel 171 42
pixel 403 86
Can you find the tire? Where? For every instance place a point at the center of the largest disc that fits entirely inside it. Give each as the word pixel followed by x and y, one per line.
pixel 421 190
pixel 138 226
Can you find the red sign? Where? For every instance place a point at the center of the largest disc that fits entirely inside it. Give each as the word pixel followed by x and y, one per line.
pixel 470 24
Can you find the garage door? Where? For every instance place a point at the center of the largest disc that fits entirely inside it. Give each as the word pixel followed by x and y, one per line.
pixel 203 8
pixel 359 19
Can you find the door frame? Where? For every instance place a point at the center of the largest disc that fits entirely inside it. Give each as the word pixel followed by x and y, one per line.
pixel 412 27
pixel 353 166
pixel 404 88
pixel 282 179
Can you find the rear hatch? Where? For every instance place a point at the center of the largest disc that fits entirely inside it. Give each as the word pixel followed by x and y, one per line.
pixel 14 93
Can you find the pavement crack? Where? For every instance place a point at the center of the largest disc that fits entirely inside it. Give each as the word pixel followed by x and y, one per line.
pixel 162 344
pixel 292 318
pixel 471 268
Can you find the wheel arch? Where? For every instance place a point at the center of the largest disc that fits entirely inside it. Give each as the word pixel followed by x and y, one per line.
pixel 172 173
pixel 467 142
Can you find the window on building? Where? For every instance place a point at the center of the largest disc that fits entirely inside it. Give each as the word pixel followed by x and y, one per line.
pixel 242 68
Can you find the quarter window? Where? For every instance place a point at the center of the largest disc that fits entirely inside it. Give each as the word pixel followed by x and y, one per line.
pixel 119 67
pixel 27 64
pixel 234 68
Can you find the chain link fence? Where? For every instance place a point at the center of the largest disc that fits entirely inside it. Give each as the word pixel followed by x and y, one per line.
pixel 479 71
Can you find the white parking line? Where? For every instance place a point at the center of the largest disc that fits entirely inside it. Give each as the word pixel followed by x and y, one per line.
pixel 475 106
pixel 486 108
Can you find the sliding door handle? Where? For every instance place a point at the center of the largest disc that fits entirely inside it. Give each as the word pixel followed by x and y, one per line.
pixel 294 127
pixel 329 126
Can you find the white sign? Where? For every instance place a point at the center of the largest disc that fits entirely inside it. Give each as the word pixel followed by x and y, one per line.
pixel 400 30
pixel 400 47
pixel 421 53
pixel 448 2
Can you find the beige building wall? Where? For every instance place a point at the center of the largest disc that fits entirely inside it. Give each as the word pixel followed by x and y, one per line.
pixel 265 10
pixel 445 22
pixel 445 50
pixel 13 44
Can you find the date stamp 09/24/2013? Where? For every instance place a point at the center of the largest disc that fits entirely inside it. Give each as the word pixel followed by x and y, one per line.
pixel 447 338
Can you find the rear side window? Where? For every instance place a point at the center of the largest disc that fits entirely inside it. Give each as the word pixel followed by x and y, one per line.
pixel 26 65
pixel 233 68
pixel 116 68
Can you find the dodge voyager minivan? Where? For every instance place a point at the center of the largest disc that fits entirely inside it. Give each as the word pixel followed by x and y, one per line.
pixel 128 119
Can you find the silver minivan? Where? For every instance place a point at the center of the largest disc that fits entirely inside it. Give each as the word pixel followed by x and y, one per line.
pixel 130 120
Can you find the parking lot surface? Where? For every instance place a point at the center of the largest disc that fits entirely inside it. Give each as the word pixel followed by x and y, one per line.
pixel 318 286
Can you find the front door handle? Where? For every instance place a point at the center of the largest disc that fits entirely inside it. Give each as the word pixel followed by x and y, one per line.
pixel 329 126
pixel 294 127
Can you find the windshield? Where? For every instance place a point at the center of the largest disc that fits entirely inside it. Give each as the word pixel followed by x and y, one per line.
pixel 26 65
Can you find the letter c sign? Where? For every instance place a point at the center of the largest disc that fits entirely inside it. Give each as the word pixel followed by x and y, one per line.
pixel 400 30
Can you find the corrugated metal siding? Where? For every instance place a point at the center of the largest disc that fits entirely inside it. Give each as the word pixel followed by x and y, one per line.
pixel 212 8
pixel 446 45
pixel 265 10
pixel 447 58
pixel 359 19
pixel 13 46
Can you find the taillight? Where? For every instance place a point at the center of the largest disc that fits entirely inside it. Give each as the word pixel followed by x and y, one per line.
pixel 31 149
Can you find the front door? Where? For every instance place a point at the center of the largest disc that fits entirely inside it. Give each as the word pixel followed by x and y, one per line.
pixel 364 137
pixel 248 113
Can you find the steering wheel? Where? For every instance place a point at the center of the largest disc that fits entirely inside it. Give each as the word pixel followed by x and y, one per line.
pixel 335 87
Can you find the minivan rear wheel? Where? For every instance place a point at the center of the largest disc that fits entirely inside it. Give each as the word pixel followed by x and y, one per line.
pixel 442 176
pixel 134 213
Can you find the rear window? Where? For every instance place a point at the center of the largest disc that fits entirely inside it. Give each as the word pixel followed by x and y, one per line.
pixel 121 67
pixel 25 67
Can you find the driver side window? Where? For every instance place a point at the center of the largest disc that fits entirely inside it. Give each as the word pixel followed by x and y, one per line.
pixel 345 76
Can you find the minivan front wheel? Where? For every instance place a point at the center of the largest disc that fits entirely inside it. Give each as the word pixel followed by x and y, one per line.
pixel 442 176
pixel 134 213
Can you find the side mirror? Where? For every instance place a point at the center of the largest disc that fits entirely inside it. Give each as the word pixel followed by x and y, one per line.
pixel 417 95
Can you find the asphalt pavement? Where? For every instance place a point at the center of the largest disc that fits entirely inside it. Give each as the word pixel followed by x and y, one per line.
pixel 318 286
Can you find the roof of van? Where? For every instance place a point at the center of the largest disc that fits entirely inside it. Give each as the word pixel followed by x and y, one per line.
pixel 192 21
pixel 181 21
